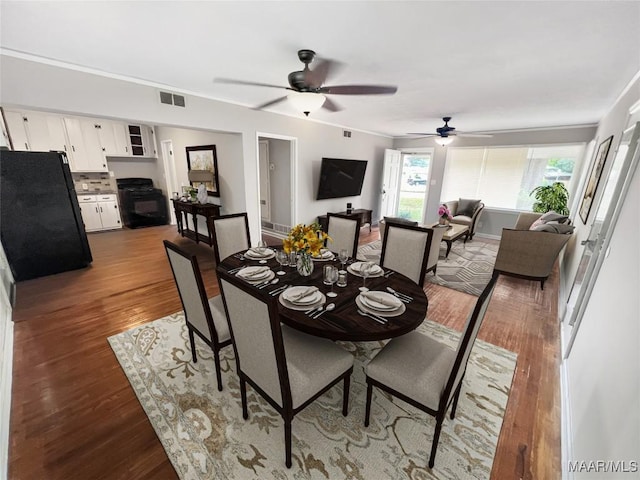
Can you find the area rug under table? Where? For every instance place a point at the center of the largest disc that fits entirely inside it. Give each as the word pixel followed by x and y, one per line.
pixel 205 436
pixel 467 269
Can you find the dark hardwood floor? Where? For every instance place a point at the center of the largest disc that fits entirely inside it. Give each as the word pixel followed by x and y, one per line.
pixel 74 414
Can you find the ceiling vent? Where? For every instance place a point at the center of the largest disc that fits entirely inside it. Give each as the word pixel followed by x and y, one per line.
pixel 172 99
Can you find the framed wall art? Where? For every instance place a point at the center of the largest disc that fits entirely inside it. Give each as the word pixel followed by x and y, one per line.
pixel 202 163
pixel 594 178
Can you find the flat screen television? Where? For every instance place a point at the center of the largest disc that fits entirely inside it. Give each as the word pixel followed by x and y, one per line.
pixel 341 178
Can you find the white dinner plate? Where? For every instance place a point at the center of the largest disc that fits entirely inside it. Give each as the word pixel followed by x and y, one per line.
pixel 354 269
pixel 317 297
pixel 255 274
pixel 324 256
pixel 380 313
pixel 268 253
pixel 293 295
pixel 380 301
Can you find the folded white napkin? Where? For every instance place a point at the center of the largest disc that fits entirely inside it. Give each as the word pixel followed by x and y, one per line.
pixel 254 252
pixel 305 293
pixel 381 298
pixel 253 273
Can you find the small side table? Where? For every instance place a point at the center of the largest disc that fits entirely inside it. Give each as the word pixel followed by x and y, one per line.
pixel 362 213
pixel 207 210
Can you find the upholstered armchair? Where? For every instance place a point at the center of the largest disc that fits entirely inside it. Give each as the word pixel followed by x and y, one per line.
pixel 465 212
pixel 529 253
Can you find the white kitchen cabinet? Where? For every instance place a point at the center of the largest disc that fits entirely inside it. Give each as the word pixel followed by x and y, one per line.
pixel 142 141
pixel 36 131
pixel 113 137
pixel 99 212
pixel 86 151
pixel 17 130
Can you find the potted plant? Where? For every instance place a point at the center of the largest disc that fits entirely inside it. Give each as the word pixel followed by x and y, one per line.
pixel 551 197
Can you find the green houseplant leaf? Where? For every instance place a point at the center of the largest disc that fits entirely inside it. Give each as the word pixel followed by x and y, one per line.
pixel 551 197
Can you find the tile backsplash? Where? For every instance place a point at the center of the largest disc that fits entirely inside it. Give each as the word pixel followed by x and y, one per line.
pixel 98 182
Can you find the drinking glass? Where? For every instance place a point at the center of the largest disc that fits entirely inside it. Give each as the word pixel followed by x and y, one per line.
pixel 283 259
pixel 261 247
pixel 365 270
pixel 330 277
pixel 343 256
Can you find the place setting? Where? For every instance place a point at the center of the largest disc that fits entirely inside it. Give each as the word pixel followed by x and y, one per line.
pixel 325 255
pixel 379 305
pixel 256 275
pixel 260 253
pixel 302 298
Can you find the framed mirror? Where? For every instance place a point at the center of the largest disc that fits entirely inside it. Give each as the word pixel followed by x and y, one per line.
pixel 202 163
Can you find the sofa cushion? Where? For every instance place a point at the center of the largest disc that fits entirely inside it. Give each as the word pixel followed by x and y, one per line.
pixel 467 207
pixel 400 220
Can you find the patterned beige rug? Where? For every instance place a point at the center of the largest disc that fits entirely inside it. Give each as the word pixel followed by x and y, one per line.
pixel 467 269
pixel 205 436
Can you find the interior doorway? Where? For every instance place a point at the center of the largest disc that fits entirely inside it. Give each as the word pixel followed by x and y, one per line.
pixel 276 172
pixel 171 183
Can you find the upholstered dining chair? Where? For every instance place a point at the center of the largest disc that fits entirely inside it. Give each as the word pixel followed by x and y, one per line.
pixel 434 248
pixel 230 235
pixel 344 231
pixel 405 249
pixel 204 317
pixel 424 372
pixel 288 368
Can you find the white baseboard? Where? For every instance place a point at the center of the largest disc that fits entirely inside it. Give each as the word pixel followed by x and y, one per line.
pixel 486 235
pixel 565 422
pixel 6 373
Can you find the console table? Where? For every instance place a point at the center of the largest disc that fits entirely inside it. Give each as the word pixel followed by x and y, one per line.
pixel 207 210
pixel 363 214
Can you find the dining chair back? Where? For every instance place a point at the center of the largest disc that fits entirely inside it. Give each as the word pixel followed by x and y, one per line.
pixel 405 249
pixel 230 235
pixel 344 230
pixel 204 317
pixel 434 248
pixel 424 372
pixel 288 368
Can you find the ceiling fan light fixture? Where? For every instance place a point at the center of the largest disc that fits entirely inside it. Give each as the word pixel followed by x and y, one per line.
pixel 307 102
pixel 443 141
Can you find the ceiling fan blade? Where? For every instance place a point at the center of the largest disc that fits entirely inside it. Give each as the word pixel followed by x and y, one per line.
pixel 243 82
pixel 476 135
pixel 359 89
pixel 331 105
pixel 424 134
pixel 316 77
pixel 272 102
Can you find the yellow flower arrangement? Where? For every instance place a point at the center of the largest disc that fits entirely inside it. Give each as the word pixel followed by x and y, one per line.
pixel 305 239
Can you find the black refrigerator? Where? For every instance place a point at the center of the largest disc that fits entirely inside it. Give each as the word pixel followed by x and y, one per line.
pixel 41 226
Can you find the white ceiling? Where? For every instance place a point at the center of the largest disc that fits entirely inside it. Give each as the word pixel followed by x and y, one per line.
pixel 490 65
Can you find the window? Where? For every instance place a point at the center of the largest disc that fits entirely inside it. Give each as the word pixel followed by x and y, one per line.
pixel 414 180
pixel 503 177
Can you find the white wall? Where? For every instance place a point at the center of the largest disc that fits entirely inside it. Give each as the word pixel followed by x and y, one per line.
pixel 603 368
pixel 38 86
pixel 228 152
pixel 280 180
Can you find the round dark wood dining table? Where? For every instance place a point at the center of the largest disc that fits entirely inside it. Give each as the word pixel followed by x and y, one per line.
pixel 343 322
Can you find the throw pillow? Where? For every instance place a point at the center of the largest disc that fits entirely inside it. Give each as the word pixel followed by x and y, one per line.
pixel 553 217
pixel 466 207
pixel 400 220
pixel 554 228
